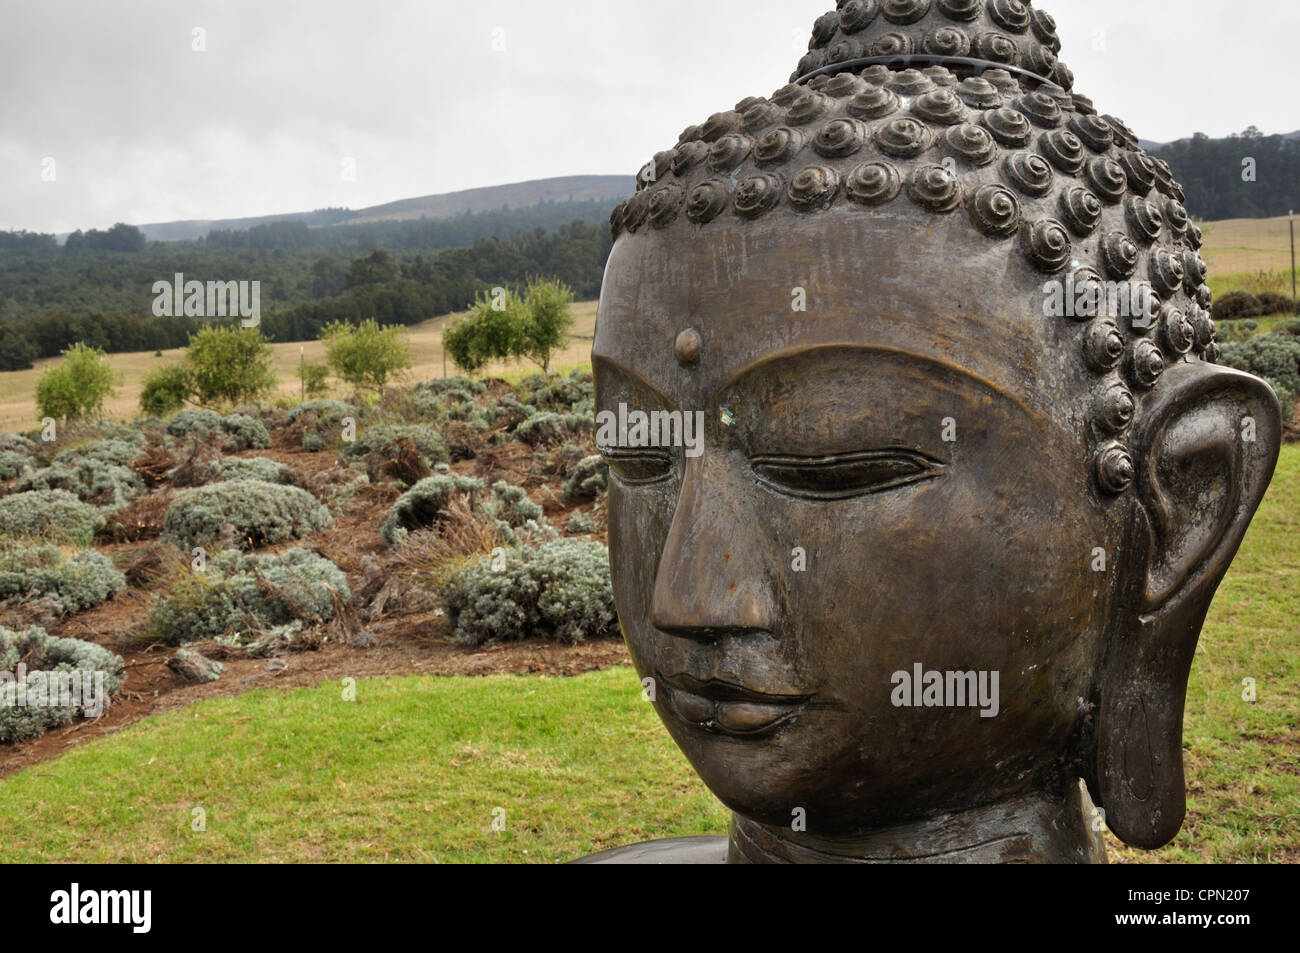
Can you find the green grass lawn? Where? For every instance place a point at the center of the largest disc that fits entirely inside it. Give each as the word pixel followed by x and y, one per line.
pixel 414 768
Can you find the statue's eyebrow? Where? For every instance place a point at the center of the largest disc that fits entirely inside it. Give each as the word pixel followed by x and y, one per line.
pixel 776 357
pixel 610 364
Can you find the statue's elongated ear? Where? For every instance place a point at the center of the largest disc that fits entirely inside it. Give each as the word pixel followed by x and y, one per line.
pixel 1205 447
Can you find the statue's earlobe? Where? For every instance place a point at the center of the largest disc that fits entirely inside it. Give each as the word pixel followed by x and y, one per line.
pixel 1206 446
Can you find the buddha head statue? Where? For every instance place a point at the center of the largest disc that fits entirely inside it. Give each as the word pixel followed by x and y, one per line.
pixel 967 474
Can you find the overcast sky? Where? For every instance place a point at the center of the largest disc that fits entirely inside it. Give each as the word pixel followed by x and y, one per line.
pixel 413 97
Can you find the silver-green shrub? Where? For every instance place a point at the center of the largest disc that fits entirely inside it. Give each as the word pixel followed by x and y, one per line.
pixel 507 508
pixel 54 515
pixel 323 409
pixel 113 450
pixel 560 591
pixel 589 479
pixel 13 464
pixel 242 432
pixel 16 443
pixel 512 504
pixel 571 394
pixel 508 411
pixel 275 640
pixel 117 430
pixel 192 424
pixel 242 592
pixel 550 427
pixel 44 658
pixel 215 470
pixel 195 667
pixel 234 431
pixel 445 398
pixel 72 581
pixel 456 384
pixel 255 468
pixel 329 416
pixel 510 509
pixel 581 523
pixel 425 439
pixel 89 479
pixel 423 504
pixel 258 513
pixel 529 533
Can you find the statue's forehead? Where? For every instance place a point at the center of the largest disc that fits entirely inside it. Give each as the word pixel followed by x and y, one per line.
pixel 757 294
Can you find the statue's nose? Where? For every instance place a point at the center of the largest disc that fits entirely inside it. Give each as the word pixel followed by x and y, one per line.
pixel 712 578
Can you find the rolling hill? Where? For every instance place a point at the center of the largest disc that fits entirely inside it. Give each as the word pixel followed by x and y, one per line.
pixel 516 195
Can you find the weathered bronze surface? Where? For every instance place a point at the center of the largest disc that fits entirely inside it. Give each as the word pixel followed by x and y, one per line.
pixel 949 543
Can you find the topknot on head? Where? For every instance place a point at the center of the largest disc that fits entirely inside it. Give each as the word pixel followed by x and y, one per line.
pixel 998 32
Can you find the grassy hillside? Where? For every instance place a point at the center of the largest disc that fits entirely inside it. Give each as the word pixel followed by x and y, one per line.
pixel 572 188
pixel 515 195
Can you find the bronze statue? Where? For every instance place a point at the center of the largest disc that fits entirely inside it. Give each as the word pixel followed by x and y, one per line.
pixel 969 475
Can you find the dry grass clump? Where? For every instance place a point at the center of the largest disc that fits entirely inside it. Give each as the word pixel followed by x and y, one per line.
pixel 140 520
pixel 153 465
pixel 155 566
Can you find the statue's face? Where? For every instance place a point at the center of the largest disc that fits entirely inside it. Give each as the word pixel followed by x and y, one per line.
pixel 895 476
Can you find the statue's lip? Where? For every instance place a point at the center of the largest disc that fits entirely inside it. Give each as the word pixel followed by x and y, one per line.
pixel 729 709
pixel 719 690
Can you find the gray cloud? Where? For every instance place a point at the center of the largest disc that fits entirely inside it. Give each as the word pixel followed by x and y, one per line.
pixel 143 128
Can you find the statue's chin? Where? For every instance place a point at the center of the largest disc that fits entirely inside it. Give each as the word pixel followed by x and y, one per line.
pixel 762 779
pixel 849 787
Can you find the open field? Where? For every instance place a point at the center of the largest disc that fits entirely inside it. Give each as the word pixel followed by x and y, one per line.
pixel 414 768
pixel 1246 245
pixel 18 388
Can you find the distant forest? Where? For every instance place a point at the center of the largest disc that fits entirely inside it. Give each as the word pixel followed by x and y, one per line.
pixel 98 288
pixel 1213 174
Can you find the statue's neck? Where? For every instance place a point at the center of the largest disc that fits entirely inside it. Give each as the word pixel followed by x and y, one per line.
pixel 1034 828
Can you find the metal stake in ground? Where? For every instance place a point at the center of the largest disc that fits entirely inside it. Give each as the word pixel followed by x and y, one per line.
pixel 1291 220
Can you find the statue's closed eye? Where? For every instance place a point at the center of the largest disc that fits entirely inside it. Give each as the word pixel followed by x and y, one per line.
pixel 639 466
pixel 842 476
